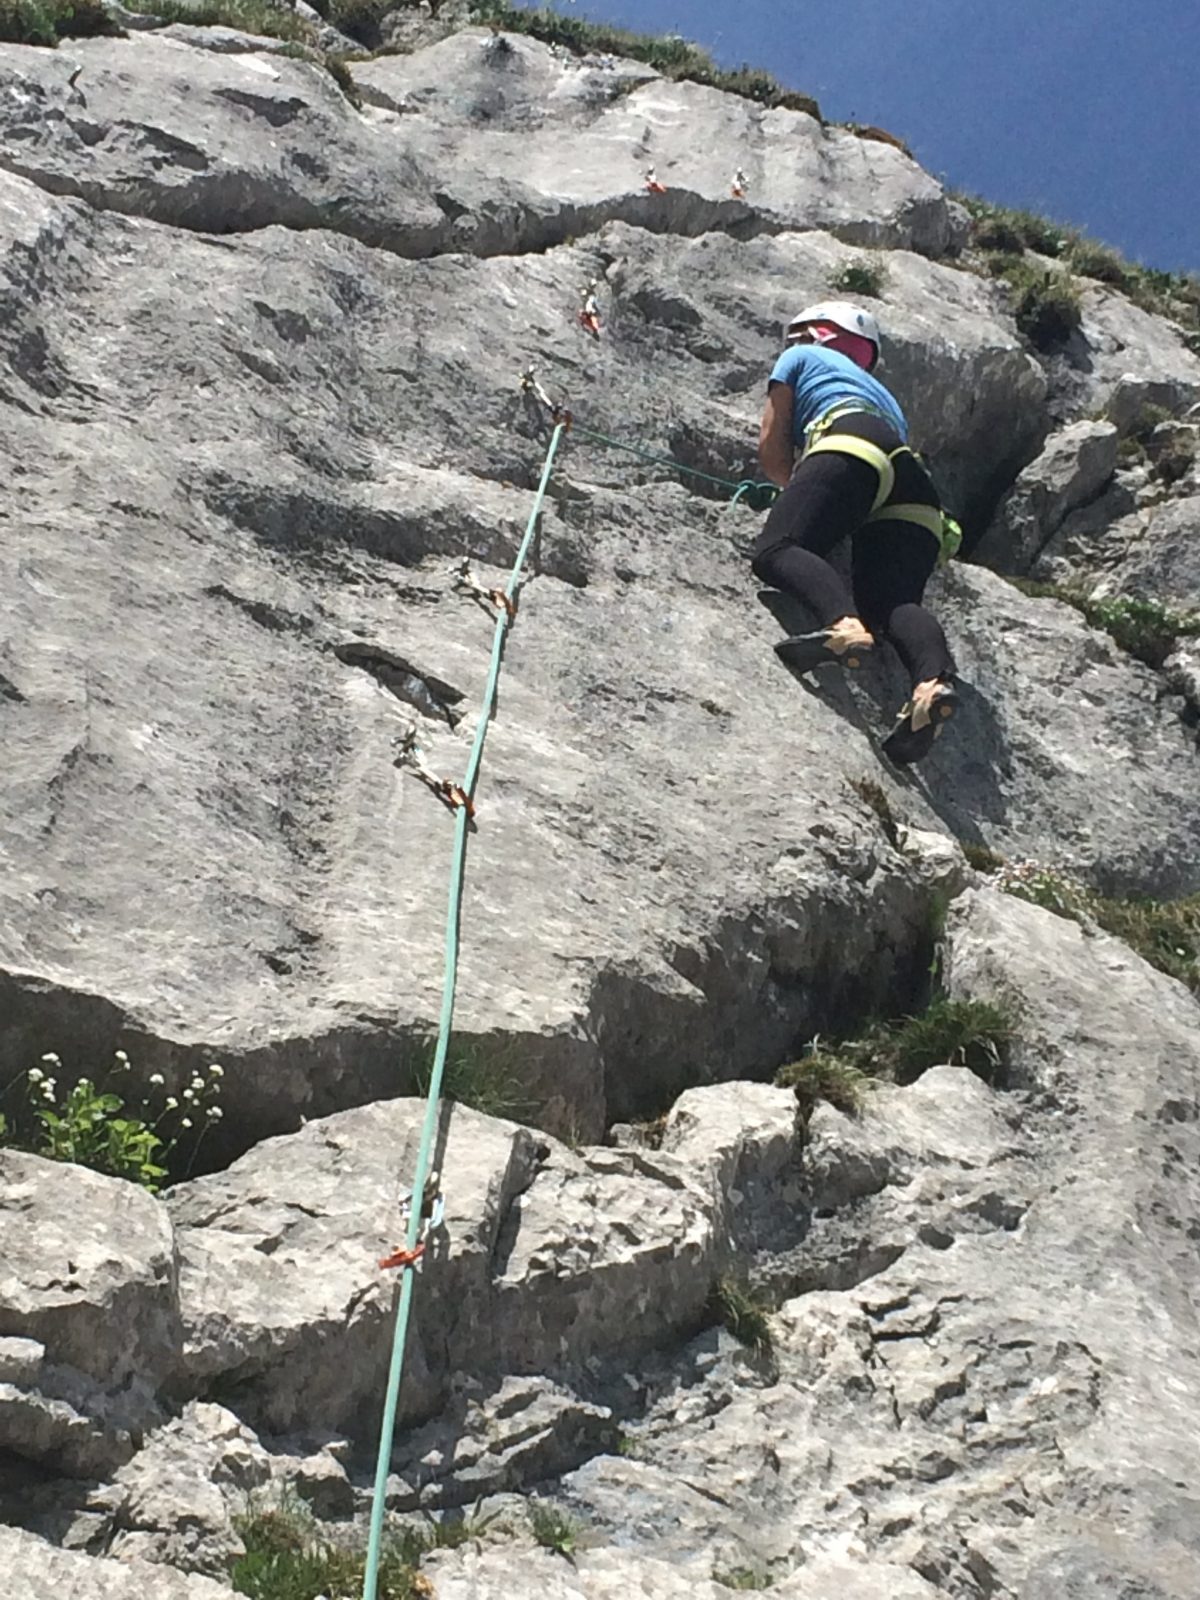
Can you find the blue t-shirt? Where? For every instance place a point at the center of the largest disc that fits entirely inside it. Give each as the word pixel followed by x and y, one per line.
pixel 822 378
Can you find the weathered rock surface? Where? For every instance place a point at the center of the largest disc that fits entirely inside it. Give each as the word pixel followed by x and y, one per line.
pixel 176 1500
pixel 1023 1364
pixel 35 1570
pixel 480 149
pixel 259 368
pixel 548 1259
pixel 88 1312
pixel 1076 464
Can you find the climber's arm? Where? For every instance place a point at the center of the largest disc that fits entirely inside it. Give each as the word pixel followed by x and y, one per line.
pixel 776 451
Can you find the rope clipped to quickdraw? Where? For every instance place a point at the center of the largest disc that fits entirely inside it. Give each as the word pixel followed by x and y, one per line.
pixel 424 1210
pixel 750 492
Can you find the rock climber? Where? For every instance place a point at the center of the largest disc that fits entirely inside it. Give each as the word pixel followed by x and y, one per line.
pixel 856 477
pixel 589 313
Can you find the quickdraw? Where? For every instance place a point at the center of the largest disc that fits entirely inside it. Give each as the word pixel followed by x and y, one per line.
pixel 433 1211
pixel 558 413
pixel 451 794
pixel 466 581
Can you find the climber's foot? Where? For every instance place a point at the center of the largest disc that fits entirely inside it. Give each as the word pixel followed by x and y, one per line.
pixel 845 643
pixel 921 721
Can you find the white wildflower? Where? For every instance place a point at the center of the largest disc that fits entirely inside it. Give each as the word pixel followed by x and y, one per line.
pixel 185 1122
pixel 48 1091
pixel 53 1060
pixel 157 1079
pixel 172 1103
pixel 122 1058
pixel 215 1113
pixel 197 1083
pixel 35 1074
pixel 189 1094
pixel 217 1070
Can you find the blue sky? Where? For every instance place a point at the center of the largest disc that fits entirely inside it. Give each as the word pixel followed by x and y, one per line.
pixel 1085 110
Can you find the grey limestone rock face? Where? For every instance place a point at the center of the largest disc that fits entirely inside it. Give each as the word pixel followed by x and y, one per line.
pixel 1002 1408
pixel 36 1570
pixel 1076 464
pixel 547 1260
pixel 175 1501
pixel 89 1311
pixel 260 371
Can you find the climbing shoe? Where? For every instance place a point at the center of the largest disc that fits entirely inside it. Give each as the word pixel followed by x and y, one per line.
pixel 803 651
pixel 915 731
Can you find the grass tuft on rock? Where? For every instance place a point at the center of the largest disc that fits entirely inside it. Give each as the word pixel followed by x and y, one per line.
pixel 670 54
pixel 257 17
pixel 743 1580
pixel 486 1078
pixel 1000 232
pixel 288 1558
pixel 981 856
pixel 969 1033
pixel 746 1314
pixel 966 1033
pixel 45 22
pixel 1046 304
pixel 826 1075
pixel 337 66
pixel 554 1529
pixel 1166 933
pixel 860 277
pixel 1145 629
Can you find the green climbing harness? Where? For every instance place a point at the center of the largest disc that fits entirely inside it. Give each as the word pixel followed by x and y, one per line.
pixel 938 522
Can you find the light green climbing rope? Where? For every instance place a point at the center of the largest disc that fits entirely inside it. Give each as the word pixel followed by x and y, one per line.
pixel 462 820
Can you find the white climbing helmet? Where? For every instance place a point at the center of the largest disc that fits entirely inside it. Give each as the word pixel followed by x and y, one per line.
pixel 851 319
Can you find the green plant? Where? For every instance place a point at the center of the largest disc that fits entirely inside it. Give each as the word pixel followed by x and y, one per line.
pixel 554 1529
pixel 875 799
pixel 968 1033
pixel 1046 887
pixel 91 1124
pixel 1146 629
pixel 1166 933
pixel 747 1315
pixel 1008 233
pixel 825 1075
pixel 450 1531
pixel 27 22
pixel 1046 305
pixel 83 19
pixel 981 856
pixel 486 1079
pixel 1094 260
pixel 337 66
pixel 287 1558
pixel 1009 229
pixel 743 1579
pixel 860 277
pixel 669 54
pixel 360 19
pixel 248 16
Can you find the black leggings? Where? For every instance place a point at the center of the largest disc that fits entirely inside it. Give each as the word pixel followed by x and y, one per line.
pixel 830 496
